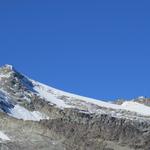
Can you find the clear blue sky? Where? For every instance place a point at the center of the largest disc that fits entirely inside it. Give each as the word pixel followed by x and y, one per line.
pixel 99 49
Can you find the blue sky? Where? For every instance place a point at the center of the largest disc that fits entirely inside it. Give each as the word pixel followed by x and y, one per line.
pixel 99 49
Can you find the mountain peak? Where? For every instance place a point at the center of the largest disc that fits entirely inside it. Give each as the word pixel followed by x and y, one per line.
pixel 8 67
pixel 78 118
pixel 13 81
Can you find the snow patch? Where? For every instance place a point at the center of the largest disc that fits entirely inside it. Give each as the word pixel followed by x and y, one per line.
pixel 44 92
pixel 4 137
pixel 10 67
pixel 136 107
pixel 20 112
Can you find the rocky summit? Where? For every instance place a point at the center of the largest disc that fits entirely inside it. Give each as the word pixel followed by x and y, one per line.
pixel 34 116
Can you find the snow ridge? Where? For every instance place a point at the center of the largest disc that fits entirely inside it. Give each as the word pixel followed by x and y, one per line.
pixel 55 97
pixel 51 94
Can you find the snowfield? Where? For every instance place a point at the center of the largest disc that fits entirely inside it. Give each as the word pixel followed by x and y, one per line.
pixel 50 95
pixel 58 98
pixel 22 113
pixel 136 107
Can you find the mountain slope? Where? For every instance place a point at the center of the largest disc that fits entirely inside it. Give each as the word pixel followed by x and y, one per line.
pixel 57 97
pixel 36 116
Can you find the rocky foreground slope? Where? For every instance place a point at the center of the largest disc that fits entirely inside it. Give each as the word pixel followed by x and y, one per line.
pixel 34 116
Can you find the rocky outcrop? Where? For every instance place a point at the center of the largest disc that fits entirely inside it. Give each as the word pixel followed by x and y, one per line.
pixel 77 131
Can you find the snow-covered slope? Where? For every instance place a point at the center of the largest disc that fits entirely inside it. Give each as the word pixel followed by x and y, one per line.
pixel 22 113
pixel 136 107
pixel 25 89
pixel 52 95
pixel 17 111
pixel 70 121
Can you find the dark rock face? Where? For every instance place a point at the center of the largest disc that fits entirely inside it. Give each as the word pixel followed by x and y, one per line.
pixel 68 128
pixel 85 131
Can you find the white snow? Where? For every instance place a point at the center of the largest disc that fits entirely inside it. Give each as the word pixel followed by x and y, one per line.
pixel 22 113
pixel 52 95
pixel 44 91
pixel 19 111
pixel 136 107
pixel 8 66
pixel 4 137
